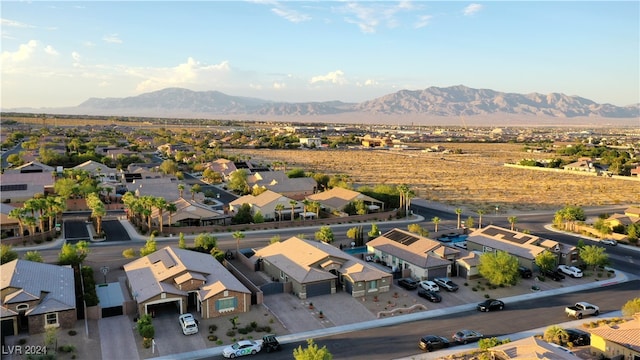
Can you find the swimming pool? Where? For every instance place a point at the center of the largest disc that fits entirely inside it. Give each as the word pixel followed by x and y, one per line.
pixel 453 238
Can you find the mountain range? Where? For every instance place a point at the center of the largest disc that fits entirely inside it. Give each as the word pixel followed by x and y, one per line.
pixel 433 102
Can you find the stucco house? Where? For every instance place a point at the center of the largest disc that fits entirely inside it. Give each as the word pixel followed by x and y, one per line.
pixel 266 203
pixel 412 254
pixel 315 268
pixel 337 198
pixel 278 181
pixel 36 296
pixel 530 348
pixel 617 342
pixel 187 279
pixel 523 246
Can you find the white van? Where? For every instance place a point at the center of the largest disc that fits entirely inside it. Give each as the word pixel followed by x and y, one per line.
pixel 188 324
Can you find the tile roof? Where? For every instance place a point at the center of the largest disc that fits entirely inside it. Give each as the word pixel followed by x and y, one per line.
pixel 513 242
pixel 54 283
pixel 626 334
pixel 305 261
pixel 337 197
pixel 262 200
pixel 159 272
pixel 415 249
pixel 532 349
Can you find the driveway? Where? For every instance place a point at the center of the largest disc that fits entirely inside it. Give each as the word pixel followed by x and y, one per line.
pixel 169 337
pixel 116 338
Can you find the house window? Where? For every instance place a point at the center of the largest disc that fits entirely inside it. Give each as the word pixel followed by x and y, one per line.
pixel 51 320
pixel 226 304
pixel 22 307
pixel 373 285
pixel 281 274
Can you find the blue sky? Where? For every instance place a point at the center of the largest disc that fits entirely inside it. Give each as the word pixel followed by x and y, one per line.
pixel 57 54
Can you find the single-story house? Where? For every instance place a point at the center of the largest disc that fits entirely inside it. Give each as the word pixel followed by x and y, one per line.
pixel 278 181
pixel 266 203
pixel 190 213
pixel 414 255
pixel 617 342
pixel 337 198
pixel 530 348
pixel 17 187
pixel 523 246
pixel 315 268
pixel 188 279
pixel 36 296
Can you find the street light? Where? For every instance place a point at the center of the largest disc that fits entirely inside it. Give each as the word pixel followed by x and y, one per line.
pixel 497 210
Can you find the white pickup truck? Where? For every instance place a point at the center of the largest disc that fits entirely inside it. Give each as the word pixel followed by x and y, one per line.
pixel 582 308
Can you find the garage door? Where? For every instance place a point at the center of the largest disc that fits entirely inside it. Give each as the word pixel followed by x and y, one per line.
pixel 462 272
pixel 317 289
pixel 438 272
pixel 7 328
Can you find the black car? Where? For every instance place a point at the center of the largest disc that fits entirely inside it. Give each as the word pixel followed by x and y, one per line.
pixel 554 275
pixel 408 283
pixel 525 272
pixel 490 305
pixel 467 336
pixel 578 337
pixel 430 295
pixel 433 342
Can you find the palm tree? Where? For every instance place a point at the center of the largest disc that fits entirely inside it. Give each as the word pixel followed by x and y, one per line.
pixel 293 204
pixel 279 208
pixel 55 205
pixel 512 220
pixel 161 204
pixel 436 221
pixel 171 208
pixel 316 205
pixel 19 214
pixel 30 222
pixel 129 200
pixel 306 203
pixel 238 235
pixel 480 213
pixel 458 212
pixel 181 189
pixel 39 205
pixel 195 188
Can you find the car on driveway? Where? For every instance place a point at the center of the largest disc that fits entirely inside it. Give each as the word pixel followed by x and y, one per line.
pixel 242 348
pixel 609 242
pixel 466 336
pixel 408 283
pixel 553 274
pixel 446 284
pixel 433 342
pixel 525 272
pixel 430 295
pixel 578 337
pixel 188 324
pixel 490 305
pixel 572 271
pixel 429 285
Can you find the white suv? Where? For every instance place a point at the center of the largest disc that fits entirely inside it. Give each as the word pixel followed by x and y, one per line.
pixel 570 270
pixel 188 324
pixel 429 285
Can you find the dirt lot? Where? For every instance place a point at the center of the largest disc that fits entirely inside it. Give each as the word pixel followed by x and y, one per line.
pixel 475 179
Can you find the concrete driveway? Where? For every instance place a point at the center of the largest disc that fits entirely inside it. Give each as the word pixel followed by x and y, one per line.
pixel 169 337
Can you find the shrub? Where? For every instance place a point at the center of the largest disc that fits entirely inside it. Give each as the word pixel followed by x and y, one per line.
pixel 67 348
pixel 486 296
pixel 254 324
pixel 212 338
pixel 22 341
pixel 146 343
pixel 72 332
pixel 231 333
pixel 213 327
pixel 243 331
pixel 218 342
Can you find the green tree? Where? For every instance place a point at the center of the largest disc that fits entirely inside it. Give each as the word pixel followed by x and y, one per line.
pixel 435 220
pixel 205 241
pixel 149 247
pixel 33 256
pixel 295 173
pixel 171 208
pixel 459 213
pixel 312 352
pixel 480 213
pixel 546 260
pixel 129 253
pixel 499 268
pixel 279 208
pixel 195 188
pixel 7 254
pixel 631 307
pixel 181 189
pixel 73 254
pixel 418 229
pixel 512 220
pixel 238 182
pixel 374 232
pixel 487 343
pixel 293 205
pixel 238 235
pixel 19 214
pixel 274 239
pixel 555 334
pixel 469 223
pixel 325 234
pixel 98 210
pixel 168 167
pixel 181 242
pixel 258 218
pixel 593 255
pixel 243 215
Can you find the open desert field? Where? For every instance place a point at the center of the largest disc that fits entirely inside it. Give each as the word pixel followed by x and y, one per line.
pixel 475 179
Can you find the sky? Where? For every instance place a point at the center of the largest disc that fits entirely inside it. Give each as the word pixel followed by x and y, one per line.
pixel 61 53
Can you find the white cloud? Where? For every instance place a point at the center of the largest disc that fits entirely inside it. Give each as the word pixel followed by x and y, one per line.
pixel 334 77
pixel 472 9
pixel 291 15
pixel 191 74
pixel 88 44
pixel 279 85
pixel 51 51
pixel 423 20
pixel 16 24
pixel 368 16
pixel 23 53
pixel 113 39
pixel 75 56
pixel 370 82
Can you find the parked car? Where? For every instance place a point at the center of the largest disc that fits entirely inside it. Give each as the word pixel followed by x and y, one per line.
pixel 467 336
pixel 188 324
pixel 525 272
pixel 433 342
pixel 270 343
pixel 582 308
pixel 490 305
pixel 572 271
pixel 430 295
pixel 429 285
pixel 609 242
pixel 578 337
pixel 408 283
pixel 446 283
pixel 241 348
pixel 553 274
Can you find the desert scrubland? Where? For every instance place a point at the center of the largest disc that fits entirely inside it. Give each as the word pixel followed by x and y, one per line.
pixel 475 179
